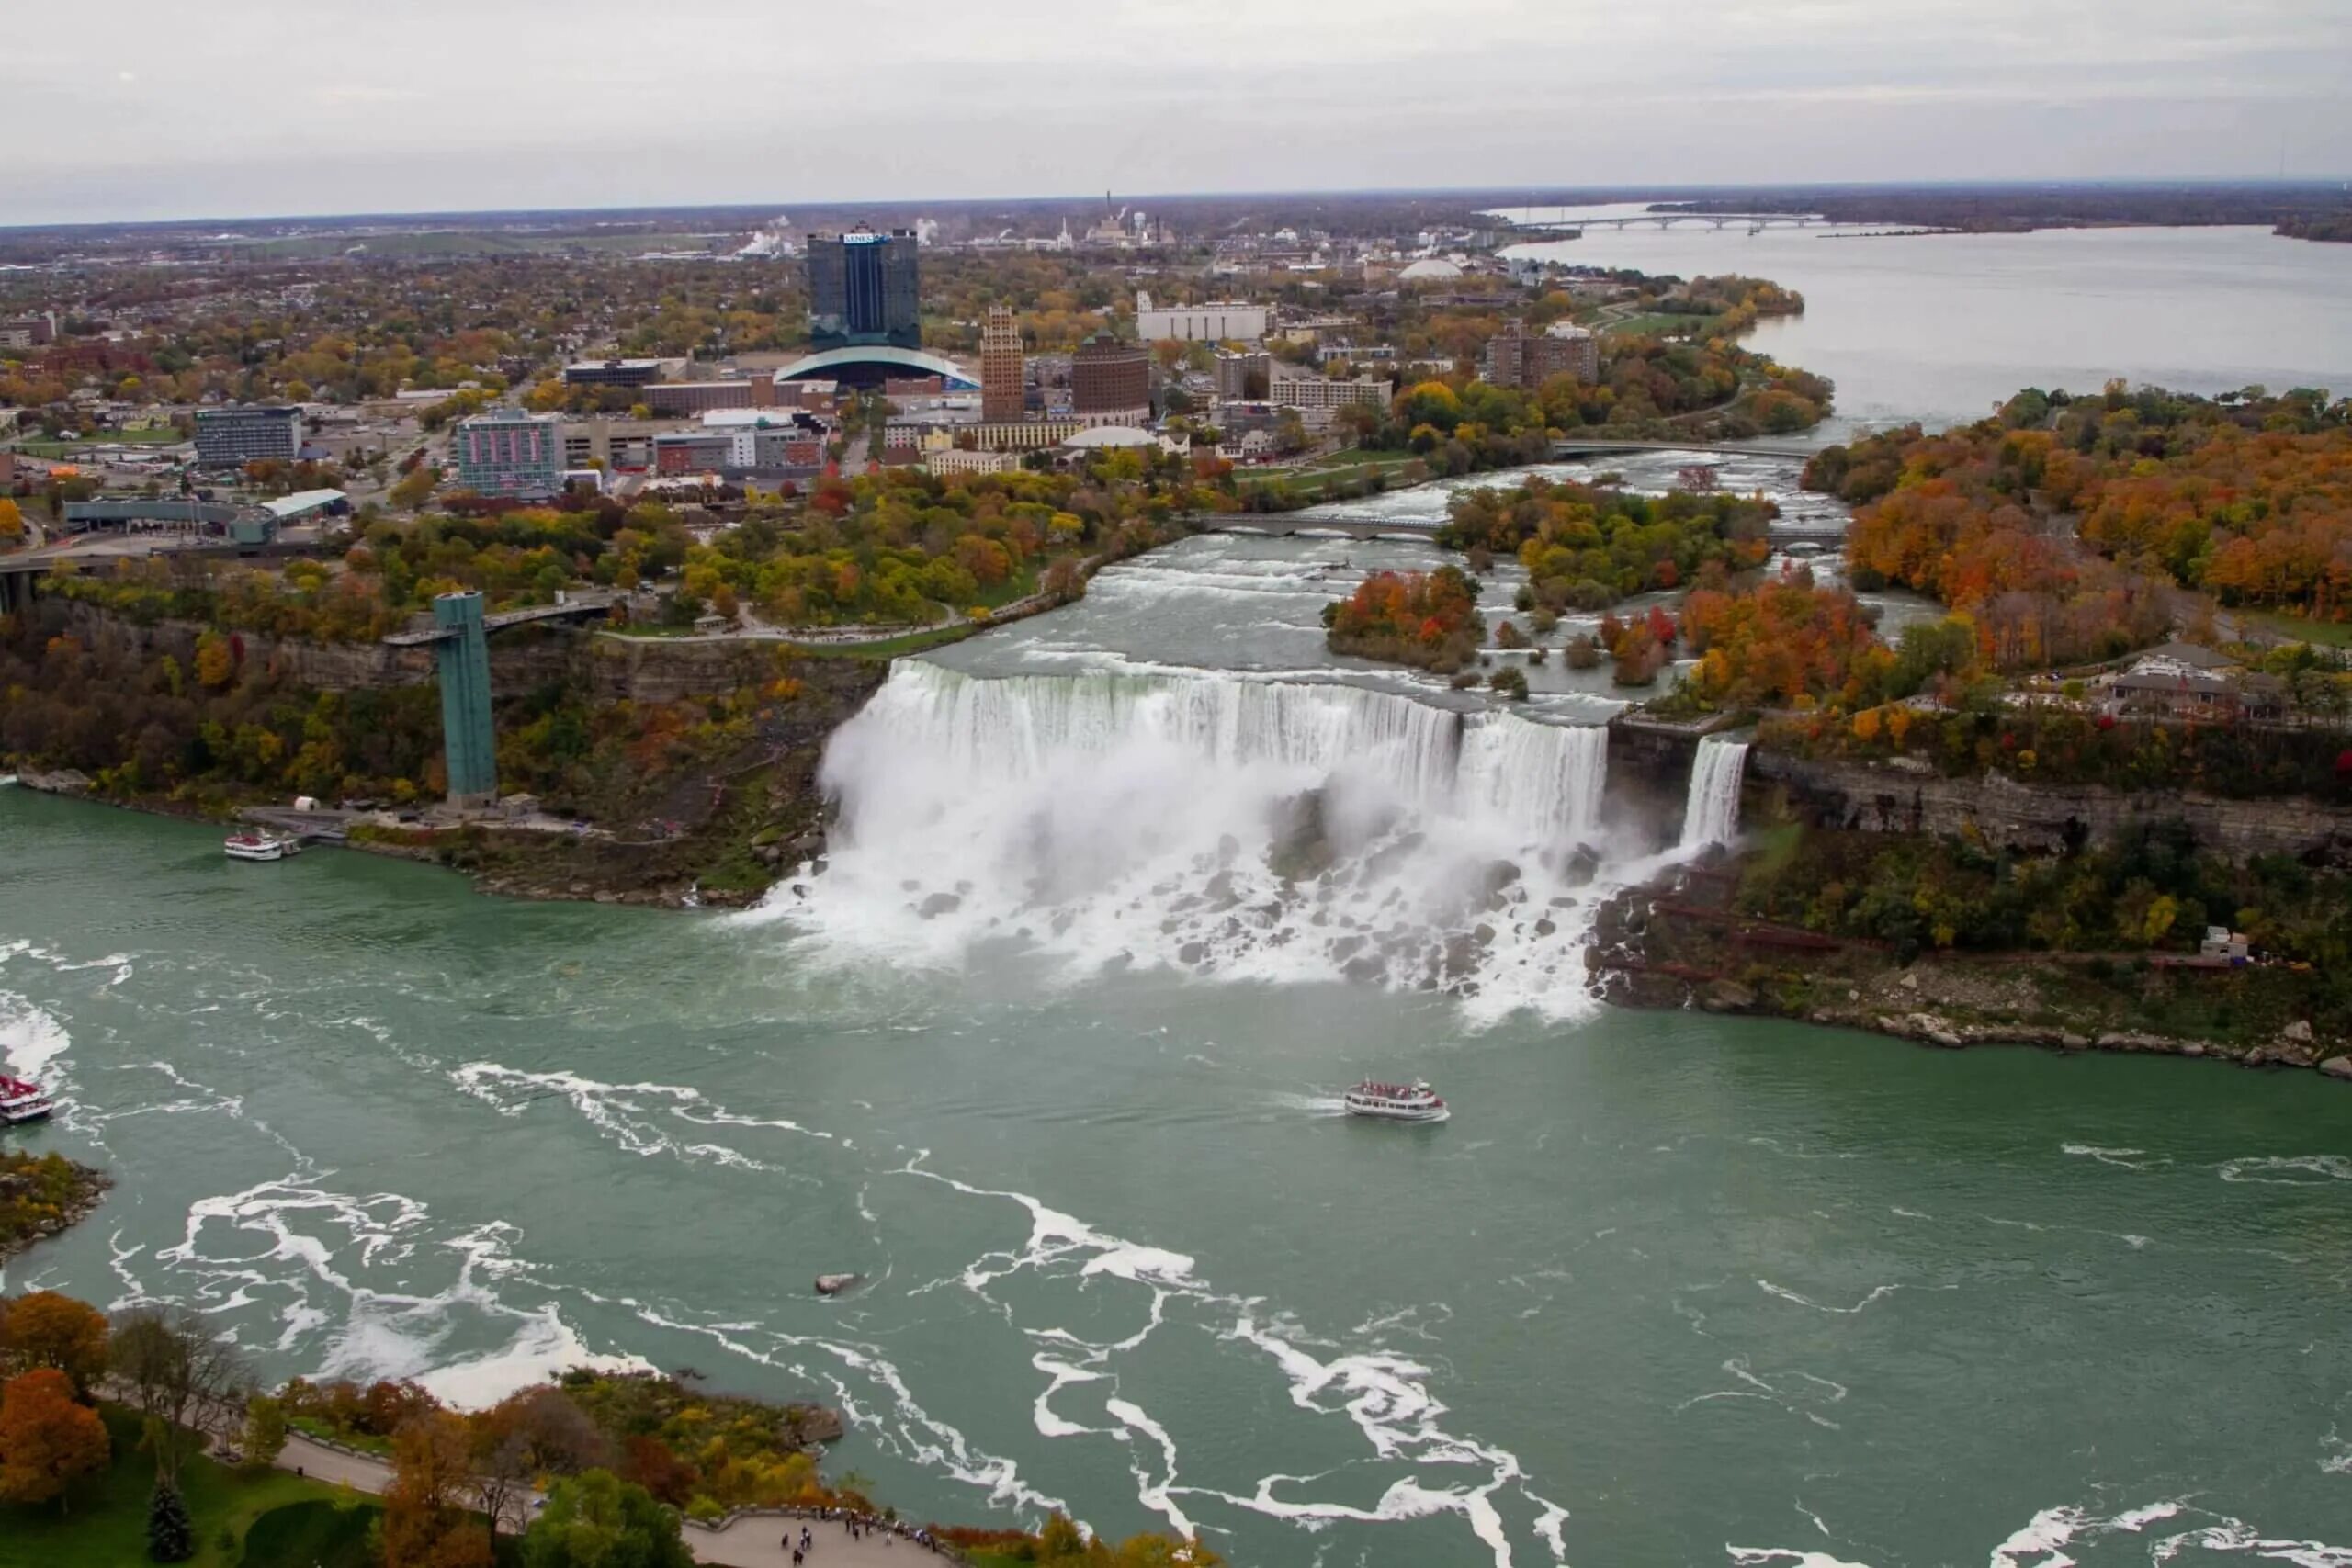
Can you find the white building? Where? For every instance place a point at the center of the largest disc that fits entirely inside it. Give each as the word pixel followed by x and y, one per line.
pixel 1317 398
pixel 1220 321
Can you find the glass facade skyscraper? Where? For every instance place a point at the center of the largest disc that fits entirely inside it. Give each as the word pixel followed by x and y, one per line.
pixel 864 290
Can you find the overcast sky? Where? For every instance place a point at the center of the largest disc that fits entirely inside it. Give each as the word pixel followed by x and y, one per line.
pixel 163 108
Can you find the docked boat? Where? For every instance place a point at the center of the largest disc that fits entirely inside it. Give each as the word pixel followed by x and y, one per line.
pixel 1415 1101
pixel 21 1101
pixel 259 846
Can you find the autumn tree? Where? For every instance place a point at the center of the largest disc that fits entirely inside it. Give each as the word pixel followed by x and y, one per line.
pixel 12 522
pixel 46 1439
pixel 415 488
pixel 538 1431
pixel 426 1521
pixel 45 1329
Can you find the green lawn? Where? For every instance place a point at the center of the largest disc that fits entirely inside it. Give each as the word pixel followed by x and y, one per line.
pixel 311 1426
pixel 1655 324
pixel 890 647
pixel 2324 634
pixel 105 1524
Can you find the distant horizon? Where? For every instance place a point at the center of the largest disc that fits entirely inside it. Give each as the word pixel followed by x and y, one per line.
pixel 1518 193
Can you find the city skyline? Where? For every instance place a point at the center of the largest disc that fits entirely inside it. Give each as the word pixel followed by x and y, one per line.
pixel 253 107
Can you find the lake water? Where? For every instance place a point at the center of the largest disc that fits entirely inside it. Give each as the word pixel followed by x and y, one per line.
pixel 1123 897
pixel 1944 328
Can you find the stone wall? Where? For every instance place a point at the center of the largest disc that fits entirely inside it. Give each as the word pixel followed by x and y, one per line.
pixel 2042 818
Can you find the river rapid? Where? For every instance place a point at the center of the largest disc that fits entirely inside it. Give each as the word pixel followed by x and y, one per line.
pixel 1121 899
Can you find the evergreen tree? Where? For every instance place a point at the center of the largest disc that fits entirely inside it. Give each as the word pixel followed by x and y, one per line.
pixel 170 1537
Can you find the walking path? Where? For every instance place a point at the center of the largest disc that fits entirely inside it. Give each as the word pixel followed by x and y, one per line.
pixel 752 1542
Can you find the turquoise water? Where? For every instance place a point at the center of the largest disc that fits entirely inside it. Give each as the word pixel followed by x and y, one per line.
pixel 1667 1290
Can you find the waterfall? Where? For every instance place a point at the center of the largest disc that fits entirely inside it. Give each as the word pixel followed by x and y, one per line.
pixel 1711 814
pixel 1248 828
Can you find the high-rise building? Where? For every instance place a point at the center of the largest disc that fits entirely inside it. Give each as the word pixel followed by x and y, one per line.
pixel 230 438
pixel 865 290
pixel 1243 377
pixel 1110 381
pixel 510 452
pixel 1003 375
pixel 1514 359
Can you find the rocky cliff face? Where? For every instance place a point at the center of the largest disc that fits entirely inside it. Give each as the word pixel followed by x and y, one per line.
pixel 2042 819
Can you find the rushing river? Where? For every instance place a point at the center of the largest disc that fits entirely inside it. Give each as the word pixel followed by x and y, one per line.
pixel 1050 1053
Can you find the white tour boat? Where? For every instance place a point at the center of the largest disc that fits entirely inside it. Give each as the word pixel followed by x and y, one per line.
pixel 259 846
pixel 21 1101
pixel 1414 1102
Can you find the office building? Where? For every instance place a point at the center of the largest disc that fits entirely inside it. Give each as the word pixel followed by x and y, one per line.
pixel 1003 374
pixel 613 373
pixel 1514 359
pixel 38 330
pixel 865 290
pixel 956 460
pixel 1317 398
pixel 696 397
pixel 507 452
pixel 1219 321
pixel 1110 381
pixel 231 437
pixel 1243 376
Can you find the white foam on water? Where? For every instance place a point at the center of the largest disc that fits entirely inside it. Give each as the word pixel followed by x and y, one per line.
pixel 1386 1396
pixel 1877 1294
pixel 619 1110
pixel 918 1436
pixel 1233 827
pixel 2288 1170
pixel 1153 1494
pixel 2128 1159
pixel 1757 1556
pixel 2044 1541
pixel 30 1037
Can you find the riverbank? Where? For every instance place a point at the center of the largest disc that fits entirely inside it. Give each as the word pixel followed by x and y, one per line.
pixel 42 1195
pixel 1678 943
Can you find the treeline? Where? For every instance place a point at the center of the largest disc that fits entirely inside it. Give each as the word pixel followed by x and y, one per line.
pixel 1585 547
pixel 898 548
pixel 2155 894
pixel 230 725
pixel 2060 743
pixel 2068 527
pixel 1426 619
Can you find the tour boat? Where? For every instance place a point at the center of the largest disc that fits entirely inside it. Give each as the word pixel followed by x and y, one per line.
pixel 259 846
pixel 20 1102
pixel 1415 1101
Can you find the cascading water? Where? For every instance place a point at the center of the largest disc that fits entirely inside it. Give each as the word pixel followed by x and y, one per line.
pixel 1710 814
pixel 1263 829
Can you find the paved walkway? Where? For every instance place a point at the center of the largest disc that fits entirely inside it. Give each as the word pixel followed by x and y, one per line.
pixel 747 1543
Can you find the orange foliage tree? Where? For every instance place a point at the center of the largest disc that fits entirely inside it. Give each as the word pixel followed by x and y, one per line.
pixel 46 1439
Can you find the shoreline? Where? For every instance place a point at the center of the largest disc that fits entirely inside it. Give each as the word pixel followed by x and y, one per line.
pixel 87 1190
pixel 1652 953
